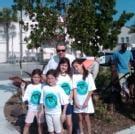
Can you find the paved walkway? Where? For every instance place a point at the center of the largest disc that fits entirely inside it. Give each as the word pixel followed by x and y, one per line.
pixel 130 130
pixel 6 91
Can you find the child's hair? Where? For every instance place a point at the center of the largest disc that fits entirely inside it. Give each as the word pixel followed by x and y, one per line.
pixel 80 61
pixel 63 61
pixel 52 72
pixel 36 71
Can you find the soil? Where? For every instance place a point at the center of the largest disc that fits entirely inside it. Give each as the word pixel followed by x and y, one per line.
pixel 107 122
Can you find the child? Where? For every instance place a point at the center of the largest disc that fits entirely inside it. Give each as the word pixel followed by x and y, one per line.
pixel 32 97
pixel 83 85
pixel 52 98
pixel 65 81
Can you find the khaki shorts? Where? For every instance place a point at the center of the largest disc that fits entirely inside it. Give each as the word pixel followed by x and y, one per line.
pixel 32 114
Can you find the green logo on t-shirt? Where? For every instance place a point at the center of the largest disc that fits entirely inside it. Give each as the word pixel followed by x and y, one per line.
pixel 82 87
pixel 35 97
pixel 66 88
pixel 51 100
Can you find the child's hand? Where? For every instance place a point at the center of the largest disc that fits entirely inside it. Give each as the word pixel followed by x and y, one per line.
pixel 63 117
pixel 23 84
pixel 78 106
pixel 40 113
pixel 85 104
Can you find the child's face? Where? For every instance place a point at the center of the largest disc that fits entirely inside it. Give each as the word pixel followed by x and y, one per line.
pixel 78 67
pixel 36 79
pixel 63 67
pixel 51 80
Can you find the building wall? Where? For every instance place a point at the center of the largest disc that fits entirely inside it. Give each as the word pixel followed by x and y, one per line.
pixel 126 37
pixel 14 42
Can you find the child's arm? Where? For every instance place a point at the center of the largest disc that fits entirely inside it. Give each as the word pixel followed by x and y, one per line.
pixel 71 96
pixel 41 111
pixel 41 101
pixel 63 115
pixel 92 87
pixel 74 98
pixel 23 87
pixel 64 100
pixel 85 104
pixel 41 108
pixel 26 94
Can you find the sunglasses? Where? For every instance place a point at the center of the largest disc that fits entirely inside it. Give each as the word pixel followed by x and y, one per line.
pixel 62 50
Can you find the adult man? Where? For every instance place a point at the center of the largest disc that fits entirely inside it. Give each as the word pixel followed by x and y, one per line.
pixel 54 61
pixel 122 60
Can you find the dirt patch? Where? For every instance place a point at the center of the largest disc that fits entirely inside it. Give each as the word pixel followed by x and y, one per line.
pixel 103 121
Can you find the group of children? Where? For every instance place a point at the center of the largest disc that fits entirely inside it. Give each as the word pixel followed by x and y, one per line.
pixel 55 100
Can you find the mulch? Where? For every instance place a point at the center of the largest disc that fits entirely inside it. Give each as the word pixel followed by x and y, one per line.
pixel 118 120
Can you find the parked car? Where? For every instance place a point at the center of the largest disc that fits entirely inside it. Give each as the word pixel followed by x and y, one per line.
pixel 105 58
pixel 13 59
pixel 29 59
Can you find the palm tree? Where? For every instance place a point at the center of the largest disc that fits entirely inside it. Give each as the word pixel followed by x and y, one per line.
pixel 7 16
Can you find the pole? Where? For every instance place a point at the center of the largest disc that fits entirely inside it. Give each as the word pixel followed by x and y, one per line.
pixel 20 41
pixel 12 51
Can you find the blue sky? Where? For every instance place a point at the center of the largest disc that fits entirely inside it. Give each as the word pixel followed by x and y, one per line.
pixel 127 5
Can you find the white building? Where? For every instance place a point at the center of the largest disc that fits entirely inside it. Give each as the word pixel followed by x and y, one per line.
pixel 126 37
pixel 14 40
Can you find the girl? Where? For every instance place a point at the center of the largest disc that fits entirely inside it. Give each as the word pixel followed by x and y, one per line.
pixel 83 85
pixel 32 96
pixel 65 81
pixel 52 98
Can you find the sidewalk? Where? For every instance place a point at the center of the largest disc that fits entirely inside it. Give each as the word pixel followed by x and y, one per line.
pixel 130 130
pixel 5 93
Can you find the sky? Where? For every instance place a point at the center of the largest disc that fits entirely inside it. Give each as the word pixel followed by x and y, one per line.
pixel 128 6
pixel 121 5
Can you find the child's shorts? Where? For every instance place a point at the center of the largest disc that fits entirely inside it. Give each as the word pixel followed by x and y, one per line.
pixel 32 114
pixel 69 110
pixel 54 123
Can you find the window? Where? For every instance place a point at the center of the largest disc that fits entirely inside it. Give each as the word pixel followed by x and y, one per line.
pixel 127 39
pixel 122 39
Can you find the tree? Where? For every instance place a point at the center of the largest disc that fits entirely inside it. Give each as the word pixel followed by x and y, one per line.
pixel 94 25
pixel 81 24
pixel 6 17
pixel 46 17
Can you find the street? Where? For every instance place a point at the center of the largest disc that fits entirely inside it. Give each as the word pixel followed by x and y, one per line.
pixel 8 70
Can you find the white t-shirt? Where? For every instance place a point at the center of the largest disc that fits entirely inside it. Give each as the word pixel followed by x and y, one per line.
pixel 66 83
pixel 53 97
pixel 83 87
pixel 54 61
pixel 32 95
